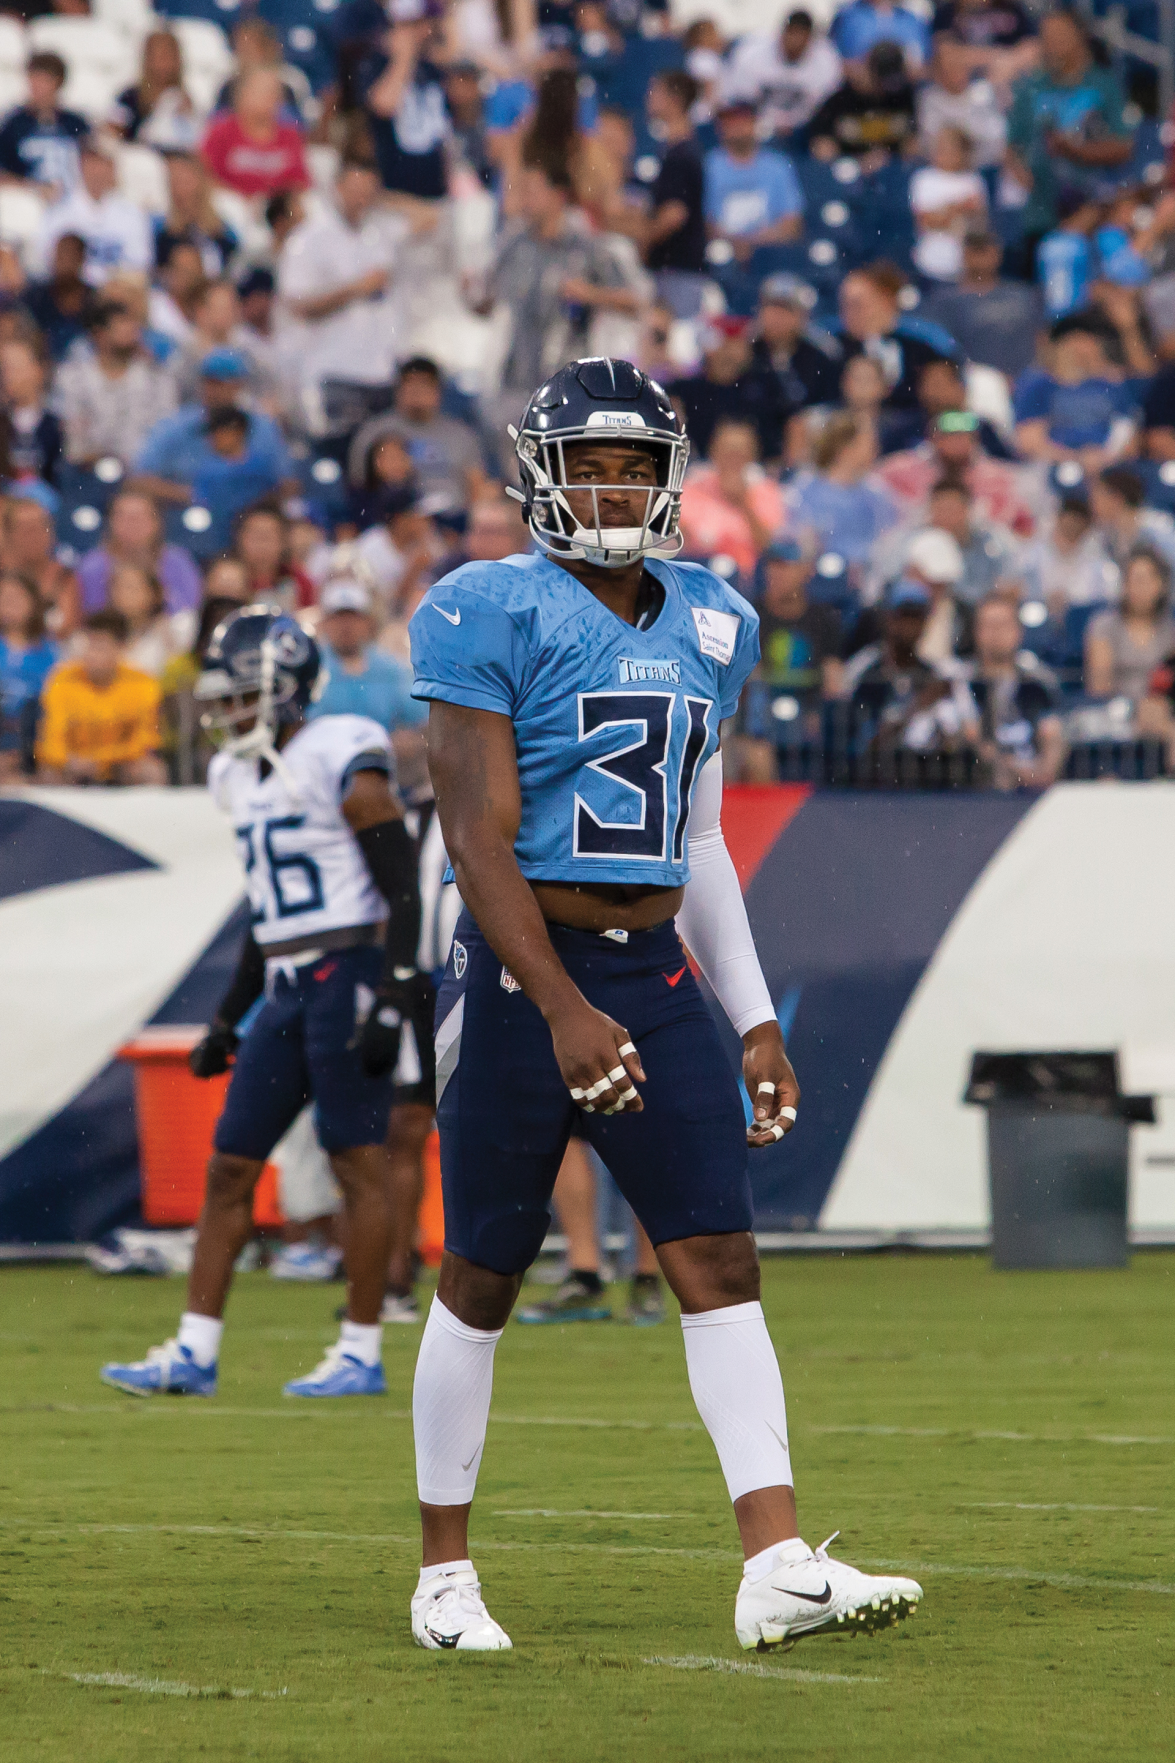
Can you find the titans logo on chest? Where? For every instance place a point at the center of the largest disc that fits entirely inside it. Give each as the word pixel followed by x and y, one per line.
pixel 640 672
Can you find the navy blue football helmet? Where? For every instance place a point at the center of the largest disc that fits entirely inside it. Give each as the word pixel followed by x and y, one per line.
pixel 263 669
pixel 594 400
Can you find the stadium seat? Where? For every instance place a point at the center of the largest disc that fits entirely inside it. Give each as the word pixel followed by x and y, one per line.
pixel 208 59
pixel 133 18
pixel 142 177
pixel 222 13
pixel 100 59
pixel 14 48
pixel 21 213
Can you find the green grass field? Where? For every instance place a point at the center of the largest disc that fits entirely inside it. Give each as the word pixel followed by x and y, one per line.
pixel 230 1578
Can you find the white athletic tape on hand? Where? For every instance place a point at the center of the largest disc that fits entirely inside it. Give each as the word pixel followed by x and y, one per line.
pixel 790 1113
pixel 765 1090
pixel 626 1049
pixel 615 1075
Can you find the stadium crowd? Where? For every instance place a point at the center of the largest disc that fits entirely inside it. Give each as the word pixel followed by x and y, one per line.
pixel 275 278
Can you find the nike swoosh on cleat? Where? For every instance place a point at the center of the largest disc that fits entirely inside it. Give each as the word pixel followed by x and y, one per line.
pixel 453 617
pixel 808 1597
pixel 443 1640
pixel 671 979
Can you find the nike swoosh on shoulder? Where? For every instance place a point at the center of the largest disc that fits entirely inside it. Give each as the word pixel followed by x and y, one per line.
pixel 453 617
pixel 825 1596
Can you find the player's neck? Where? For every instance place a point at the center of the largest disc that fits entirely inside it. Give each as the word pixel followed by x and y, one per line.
pixel 286 733
pixel 617 589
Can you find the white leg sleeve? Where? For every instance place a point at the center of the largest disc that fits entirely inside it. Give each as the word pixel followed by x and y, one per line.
pixel 734 1376
pixel 451 1405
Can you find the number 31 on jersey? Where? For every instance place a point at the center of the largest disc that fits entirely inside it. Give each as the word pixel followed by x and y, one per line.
pixel 657 797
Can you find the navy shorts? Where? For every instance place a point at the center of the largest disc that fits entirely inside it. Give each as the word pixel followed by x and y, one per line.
pixel 505 1113
pixel 301 1047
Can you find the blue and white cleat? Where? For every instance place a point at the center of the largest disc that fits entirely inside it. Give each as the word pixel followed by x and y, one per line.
pixel 169 1369
pixel 340 1374
pixel 310 1262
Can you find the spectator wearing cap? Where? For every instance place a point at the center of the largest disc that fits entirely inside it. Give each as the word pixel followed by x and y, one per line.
pixel 805 358
pixel 753 196
pixel 133 537
pixel 732 384
pixel 675 234
pixel 364 680
pixel 1076 409
pixel 38 142
pixel 995 321
pixel 786 77
pixel 838 505
pixel 952 450
pixel 112 394
pixel 1117 501
pixel 730 507
pixel 799 666
pixel 101 716
pixel 1021 736
pixel 932 560
pixel 178 449
pixel 256 291
pixel 445 454
pixel 334 277
pixel 872 323
pixel 117 233
pixel 254 149
pixel 907 701
pixel 871 116
pixel 216 325
pixel 861 26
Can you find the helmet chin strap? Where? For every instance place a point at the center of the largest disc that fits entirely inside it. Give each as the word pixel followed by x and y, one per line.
pixel 258 742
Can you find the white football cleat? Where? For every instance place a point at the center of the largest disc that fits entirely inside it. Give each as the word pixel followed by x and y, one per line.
pixel 448 1614
pixel 813 1594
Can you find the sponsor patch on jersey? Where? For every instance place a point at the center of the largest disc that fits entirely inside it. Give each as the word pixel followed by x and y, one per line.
pixel 637 672
pixel 508 982
pixel 460 960
pixel 616 419
pixel 717 633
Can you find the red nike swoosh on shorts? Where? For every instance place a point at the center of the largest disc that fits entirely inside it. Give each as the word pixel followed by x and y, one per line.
pixel 671 979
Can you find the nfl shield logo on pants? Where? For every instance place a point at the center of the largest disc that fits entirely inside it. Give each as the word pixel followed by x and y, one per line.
pixel 508 982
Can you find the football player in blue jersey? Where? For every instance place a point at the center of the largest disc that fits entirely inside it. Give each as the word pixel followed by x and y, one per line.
pixel 575 703
pixel 331 875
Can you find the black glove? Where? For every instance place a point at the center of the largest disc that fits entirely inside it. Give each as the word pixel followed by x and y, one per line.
pixel 214 1053
pixel 407 997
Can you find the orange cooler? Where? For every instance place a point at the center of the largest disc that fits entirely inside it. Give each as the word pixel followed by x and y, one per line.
pixel 176 1115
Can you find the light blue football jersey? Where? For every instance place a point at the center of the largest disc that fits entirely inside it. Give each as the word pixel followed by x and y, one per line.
pixel 611 724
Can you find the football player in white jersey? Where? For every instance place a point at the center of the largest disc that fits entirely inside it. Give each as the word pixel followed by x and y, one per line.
pixel 331 875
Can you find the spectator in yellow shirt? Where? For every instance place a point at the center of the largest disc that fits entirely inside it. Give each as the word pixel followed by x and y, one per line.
pixel 100 717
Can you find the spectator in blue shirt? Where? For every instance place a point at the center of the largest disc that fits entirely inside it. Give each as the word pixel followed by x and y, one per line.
pixel 856 29
pixel 1076 408
pixel 178 463
pixel 836 508
pixel 26 659
pixel 753 196
pixel 364 680
pixel 38 142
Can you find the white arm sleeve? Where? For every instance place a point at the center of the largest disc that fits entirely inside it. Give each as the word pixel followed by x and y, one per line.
pixel 713 919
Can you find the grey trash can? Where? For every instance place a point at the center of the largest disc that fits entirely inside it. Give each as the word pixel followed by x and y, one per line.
pixel 1058 1132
